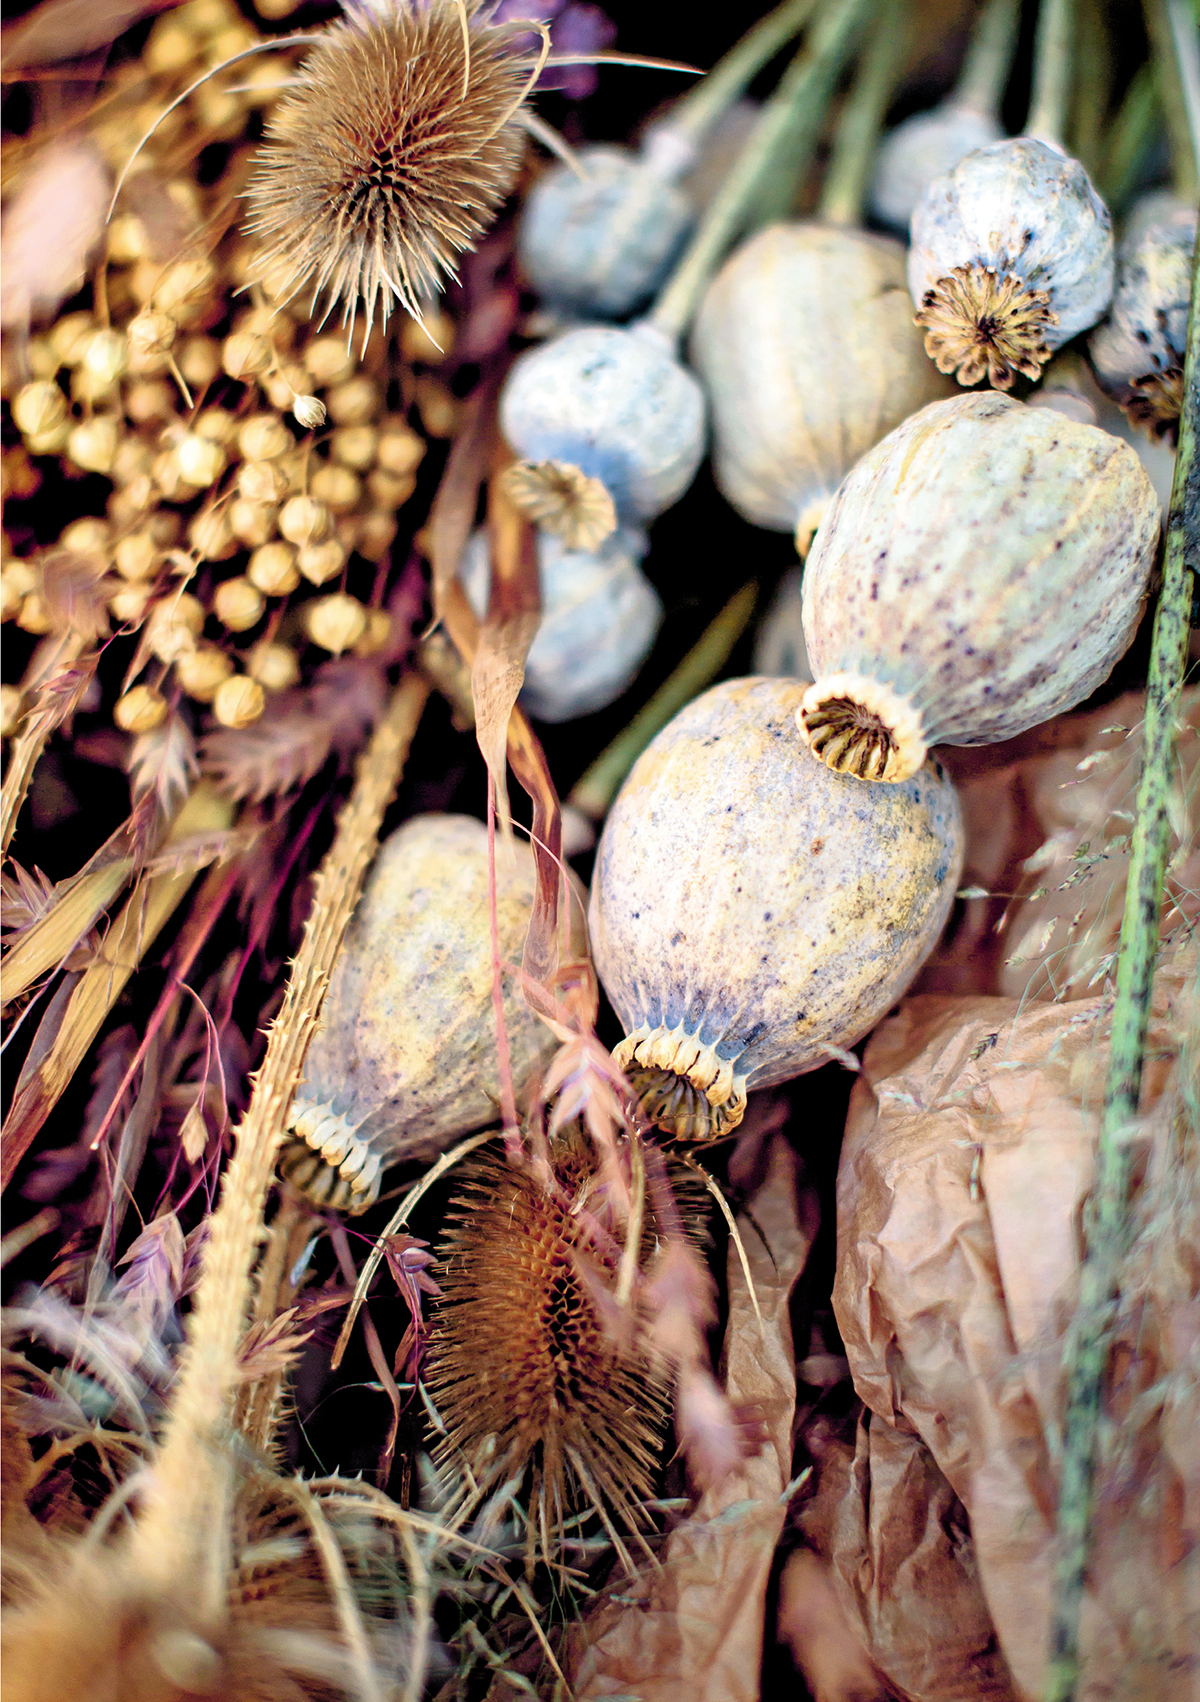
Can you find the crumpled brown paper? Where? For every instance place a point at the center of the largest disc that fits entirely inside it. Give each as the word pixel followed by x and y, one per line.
pixel 693 1631
pixel 969 1150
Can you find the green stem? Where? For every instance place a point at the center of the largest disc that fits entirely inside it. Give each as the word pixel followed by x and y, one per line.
pixel 1132 132
pixel 858 123
pixel 1176 54
pixel 1093 88
pixel 985 70
pixel 779 148
pixel 595 791
pixel 694 115
pixel 1107 1223
pixel 1052 51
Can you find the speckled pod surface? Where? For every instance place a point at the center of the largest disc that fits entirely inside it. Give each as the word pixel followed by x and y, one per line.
pixel 616 404
pixel 921 149
pixel 807 350
pixel 980 570
pixel 750 908
pixel 405 1057
pixel 599 245
pixel 1142 341
pixel 600 617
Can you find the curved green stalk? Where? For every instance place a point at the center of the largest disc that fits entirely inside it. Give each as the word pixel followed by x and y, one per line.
pixel 696 112
pixel 860 119
pixel 1107 1222
pixel 1129 137
pixel 1175 44
pixel 985 69
pixel 1052 53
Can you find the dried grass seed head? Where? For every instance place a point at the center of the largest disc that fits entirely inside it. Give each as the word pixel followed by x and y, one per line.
pixel 391 157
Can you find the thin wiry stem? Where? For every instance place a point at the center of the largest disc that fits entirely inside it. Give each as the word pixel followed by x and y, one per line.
pixel 857 133
pixel 1108 1217
pixel 1175 48
pixel 985 71
pixel 1052 58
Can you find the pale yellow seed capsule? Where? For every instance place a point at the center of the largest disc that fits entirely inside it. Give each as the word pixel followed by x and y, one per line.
pixel 86 537
pixel 34 615
pixel 272 568
pixel 274 10
pixel 134 460
pixel 169 48
pixel 200 361
pixel 17 580
pixel 127 240
pixel 217 425
pixel 48 442
pixel 200 460
pixel 211 535
pixel 151 331
pixel 42 362
pixel 263 481
pixel 252 522
pixel 347 528
pixel 238 604
pixel 245 354
pixel 376 535
pixel 92 444
pixel 128 503
pixel 264 436
pixel 328 361
pixel 137 556
pixel 90 386
pixel 203 672
pixel 174 625
pixel 283 385
pixel 183 284
pixel 337 487
pixel 336 622
pixel 260 87
pixel 303 520
pixel 321 562
pixel 106 356
pixel 377 634
pixel 233 37
pixel 38 407
pixel 128 605
pixel 239 701
pixel 68 337
pixel 166 527
pixel 10 710
pixel 440 411
pixel 205 17
pixel 401 449
pixel 390 490
pixel 429 340
pixel 309 411
pixel 168 476
pixel 219 113
pixel 355 402
pixel 149 400
pixel 274 666
pixel 354 446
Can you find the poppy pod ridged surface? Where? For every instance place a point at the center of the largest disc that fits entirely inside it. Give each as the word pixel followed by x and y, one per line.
pixel 751 909
pixel 405 1057
pixel 981 569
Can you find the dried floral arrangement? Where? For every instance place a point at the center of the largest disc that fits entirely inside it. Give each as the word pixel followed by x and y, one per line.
pixel 437 980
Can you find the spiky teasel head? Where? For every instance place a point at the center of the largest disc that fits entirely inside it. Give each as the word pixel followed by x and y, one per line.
pixel 981 323
pixel 527 1379
pixel 391 157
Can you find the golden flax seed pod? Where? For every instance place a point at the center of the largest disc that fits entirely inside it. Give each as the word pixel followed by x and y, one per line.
pixel 327 360
pixel 238 604
pixel 355 446
pixel 336 622
pixel 128 605
pixel 263 481
pixel 182 289
pixel 17 579
pixel 199 360
pixel 10 710
pixel 354 402
pixel 304 520
pixel 377 634
pixel 252 523
pixel 68 337
pixel 92 444
pixel 337 487
pixel 140 710
pixel 272 568
pixel 238 701
pixel 245 354
pixel 321 562
pixel 134 460
pixel 203 671
pixel 87 536
pixel 151 333
pixel 200 460
pixel 401 449
pixel 106 356
pixel 274 666
pixel 211 534
pixel 390 490
pixel 35 615
pixel 218 425
pixel 147 401
pixel 137 556
pixel 376 534
pixel 39 408
pixel 264 436
pixel 174 625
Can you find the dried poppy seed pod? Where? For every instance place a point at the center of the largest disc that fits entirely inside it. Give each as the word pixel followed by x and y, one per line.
pixel 405 1058
pixel 922 148
pixel 1138 351
pixel 598 245
pixel 1011 256
pixel 982 569
pixel 600 617
pixel 806 347
pixel 752 910
pixel 617 405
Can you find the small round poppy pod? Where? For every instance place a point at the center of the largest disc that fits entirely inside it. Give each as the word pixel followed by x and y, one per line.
pixel 779 648
pixel 617 405
pixel 981 570
pixel 1011 256
pixel 808 354
pixel 405 1058
pixel 752 910
pixel 1138 351
pixel 600 617
pixel 920 149
pixel 599 244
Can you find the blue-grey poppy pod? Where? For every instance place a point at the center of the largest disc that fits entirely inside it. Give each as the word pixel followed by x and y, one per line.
pixel 1138 351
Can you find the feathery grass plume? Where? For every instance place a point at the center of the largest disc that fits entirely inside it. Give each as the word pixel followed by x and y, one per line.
pixel 525 1366
pixel 392 156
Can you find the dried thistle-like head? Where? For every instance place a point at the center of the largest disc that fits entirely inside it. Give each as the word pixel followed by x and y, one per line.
pixel 980 323
pixel 391 157
pixel 562 499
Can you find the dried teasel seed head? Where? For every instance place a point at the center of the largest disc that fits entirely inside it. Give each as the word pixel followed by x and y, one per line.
pixel 274 666
pixel 335 623
pixel 272 568
pixel 92 444
pixel 200 461
pixel 309 412
pixel 38 408
pixel 137 556
pixel 337 487
pixel 264 436
pixel 10 710
pixel 245 354
pixel 252 523
pixel 392 156
pixel 981 324
pixel 321 562
pixel 303 520
pixel 174 626
pixel 238 604
pixel 140 710
pixel 563 500
pixel 201 673
pixel 239 701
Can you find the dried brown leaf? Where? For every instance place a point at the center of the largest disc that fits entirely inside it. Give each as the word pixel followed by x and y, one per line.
pixel 52 224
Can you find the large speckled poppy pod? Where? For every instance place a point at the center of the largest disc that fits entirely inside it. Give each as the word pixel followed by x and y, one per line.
pixel 752 910
pixel 980 570
pixel 405 1059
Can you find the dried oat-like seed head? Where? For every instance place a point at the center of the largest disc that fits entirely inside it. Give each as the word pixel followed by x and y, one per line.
pixel 391 157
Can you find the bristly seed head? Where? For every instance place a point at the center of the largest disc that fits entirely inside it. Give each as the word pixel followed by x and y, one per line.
pixel 391 157
pixel 980 323
pixel 1156 402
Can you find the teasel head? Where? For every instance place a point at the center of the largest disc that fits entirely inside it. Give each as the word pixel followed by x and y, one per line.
pixel 529 1381
pixel 392 154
